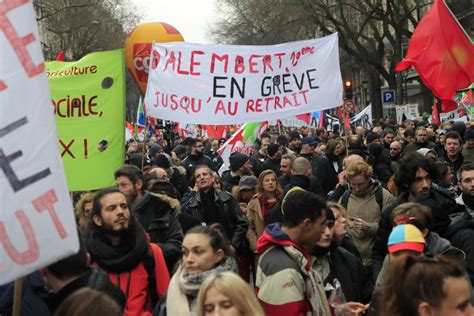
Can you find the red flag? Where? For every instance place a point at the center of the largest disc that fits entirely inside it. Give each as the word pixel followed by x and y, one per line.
pixel 434 113
pixel 339 113
pixel 440 52
pixel 321 119
pixel 347 124
pixel 448 105
pixel 60 56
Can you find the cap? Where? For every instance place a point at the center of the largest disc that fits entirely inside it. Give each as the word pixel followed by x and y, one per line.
pixel 469 134
pixel 406 237
pixel 237 160
pixel 247 182
pixel 309 140
pixel 162 161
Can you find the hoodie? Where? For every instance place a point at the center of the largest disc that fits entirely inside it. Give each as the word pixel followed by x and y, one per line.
pixel 285 283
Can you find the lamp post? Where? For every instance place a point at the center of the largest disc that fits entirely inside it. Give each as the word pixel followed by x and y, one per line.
pixel 365 84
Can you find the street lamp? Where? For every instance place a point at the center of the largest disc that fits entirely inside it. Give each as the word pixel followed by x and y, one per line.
pixel 365 85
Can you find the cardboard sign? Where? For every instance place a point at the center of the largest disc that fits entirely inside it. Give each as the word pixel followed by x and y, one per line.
pixel 37 224
pixel 231 84
pixel 88 99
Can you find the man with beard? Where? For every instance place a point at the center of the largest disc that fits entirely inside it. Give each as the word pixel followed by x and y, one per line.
pixel 295 142
pixel 395 154
pixel 240 165
pixel 414 180
pixel 285 169
pixel 155 214
pixel 466 184
pixel 211 206
pixel 364 201
pixel 118 245
pixel 196 157
pixel 272 162
pixel 420 142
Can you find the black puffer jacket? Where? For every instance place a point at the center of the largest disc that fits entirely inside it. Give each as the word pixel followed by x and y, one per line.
pixel 235 224
pixel 325 172
pixel 156 213
pixel 192 161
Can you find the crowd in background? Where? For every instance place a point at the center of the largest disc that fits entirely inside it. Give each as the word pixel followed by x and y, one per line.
pixel 374 222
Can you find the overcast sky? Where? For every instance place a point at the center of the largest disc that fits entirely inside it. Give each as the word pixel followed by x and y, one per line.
pixel 190 17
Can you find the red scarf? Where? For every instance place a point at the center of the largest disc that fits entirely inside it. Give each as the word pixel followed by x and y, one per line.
pixel 265 207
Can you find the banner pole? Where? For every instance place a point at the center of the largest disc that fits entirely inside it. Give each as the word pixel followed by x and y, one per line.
pixel 17 296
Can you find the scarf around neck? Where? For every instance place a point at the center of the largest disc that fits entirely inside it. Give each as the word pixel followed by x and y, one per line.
pixel 124 257
pixel 184 288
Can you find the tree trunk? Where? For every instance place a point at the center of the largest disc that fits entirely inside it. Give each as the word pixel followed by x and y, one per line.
pixel 375 94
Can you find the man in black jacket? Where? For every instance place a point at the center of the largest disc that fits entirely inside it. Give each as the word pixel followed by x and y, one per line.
pixel 196 157
pixel 155 214
pixel 211 206
pixel 414 180
pixel 240 165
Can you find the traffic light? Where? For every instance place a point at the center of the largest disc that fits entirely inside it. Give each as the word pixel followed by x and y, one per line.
pixel 348 89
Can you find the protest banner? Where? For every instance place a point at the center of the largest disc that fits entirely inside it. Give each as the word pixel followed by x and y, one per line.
pixel 300 120
pixel 231 84
pixel 241 141
pixel 88 98
pixel 453 116
pixel 363 119
pixel 37 224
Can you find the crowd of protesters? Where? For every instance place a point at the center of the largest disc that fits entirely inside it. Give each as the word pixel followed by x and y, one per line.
pixel 312 222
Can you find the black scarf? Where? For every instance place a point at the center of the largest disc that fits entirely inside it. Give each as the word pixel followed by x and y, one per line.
pixel 320 252
pixel 468 200
pixel 124 257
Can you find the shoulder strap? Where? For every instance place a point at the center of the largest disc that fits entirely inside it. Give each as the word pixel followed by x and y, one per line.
pixel 345 198
pixel 379 197
pixel 149 264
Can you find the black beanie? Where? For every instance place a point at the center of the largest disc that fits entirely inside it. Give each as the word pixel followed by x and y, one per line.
pixel 162 161
pixel 371 137
pixel 237 160
pixel 272 149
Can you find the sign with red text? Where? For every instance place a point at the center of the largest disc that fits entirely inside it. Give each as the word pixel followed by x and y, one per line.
pixel 88 100
pixel 37 224
pixel 230 84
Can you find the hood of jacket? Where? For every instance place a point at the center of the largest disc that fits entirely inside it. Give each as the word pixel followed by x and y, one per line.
pixel 273 236
pixel 159 201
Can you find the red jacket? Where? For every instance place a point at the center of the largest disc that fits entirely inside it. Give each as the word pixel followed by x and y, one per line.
pixel 134 284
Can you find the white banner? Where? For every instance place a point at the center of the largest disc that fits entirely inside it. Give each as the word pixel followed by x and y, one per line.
pixel 452 116
pixel 300 120
pixel 229 84
pixel 37 224
pixel 363 119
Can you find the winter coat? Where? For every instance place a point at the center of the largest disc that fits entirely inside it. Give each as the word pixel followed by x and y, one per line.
pixel 156 213
pixel 272 164
pixel 229 180
pixel 256 222
pixel 179 181
pixel 350 272
pixel 236 224
pixel 285 283
pixel 326 173
pixel 365 206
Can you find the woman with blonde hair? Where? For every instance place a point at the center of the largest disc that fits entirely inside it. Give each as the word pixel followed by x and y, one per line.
pixel 269 193
pixel 83 207
pixel 225 293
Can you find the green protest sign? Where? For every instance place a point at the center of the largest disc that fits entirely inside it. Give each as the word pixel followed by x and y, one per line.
pixel 89 106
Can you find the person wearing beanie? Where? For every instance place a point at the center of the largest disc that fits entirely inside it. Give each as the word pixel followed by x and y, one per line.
pixel 176 178
pixel 468 148
pixel 272 162
pixel 373 138
pixel 140 161
pixel 428 153
pixel 240 165
pixel 295 142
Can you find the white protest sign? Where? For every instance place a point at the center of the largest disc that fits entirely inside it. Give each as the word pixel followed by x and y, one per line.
pixel 363 119
pixel 37 224
pixel 300 120
pixel 231 84
pixel 452 116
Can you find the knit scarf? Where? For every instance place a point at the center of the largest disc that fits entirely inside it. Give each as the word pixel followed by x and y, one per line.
pixel 184 288
pixel 123 257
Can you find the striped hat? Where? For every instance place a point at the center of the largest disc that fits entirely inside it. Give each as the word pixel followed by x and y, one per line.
pixel 405 237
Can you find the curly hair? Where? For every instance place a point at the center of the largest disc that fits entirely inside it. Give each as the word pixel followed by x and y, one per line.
pixel 409 166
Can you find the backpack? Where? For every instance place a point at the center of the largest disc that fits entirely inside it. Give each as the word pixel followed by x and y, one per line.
pixel 378 198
